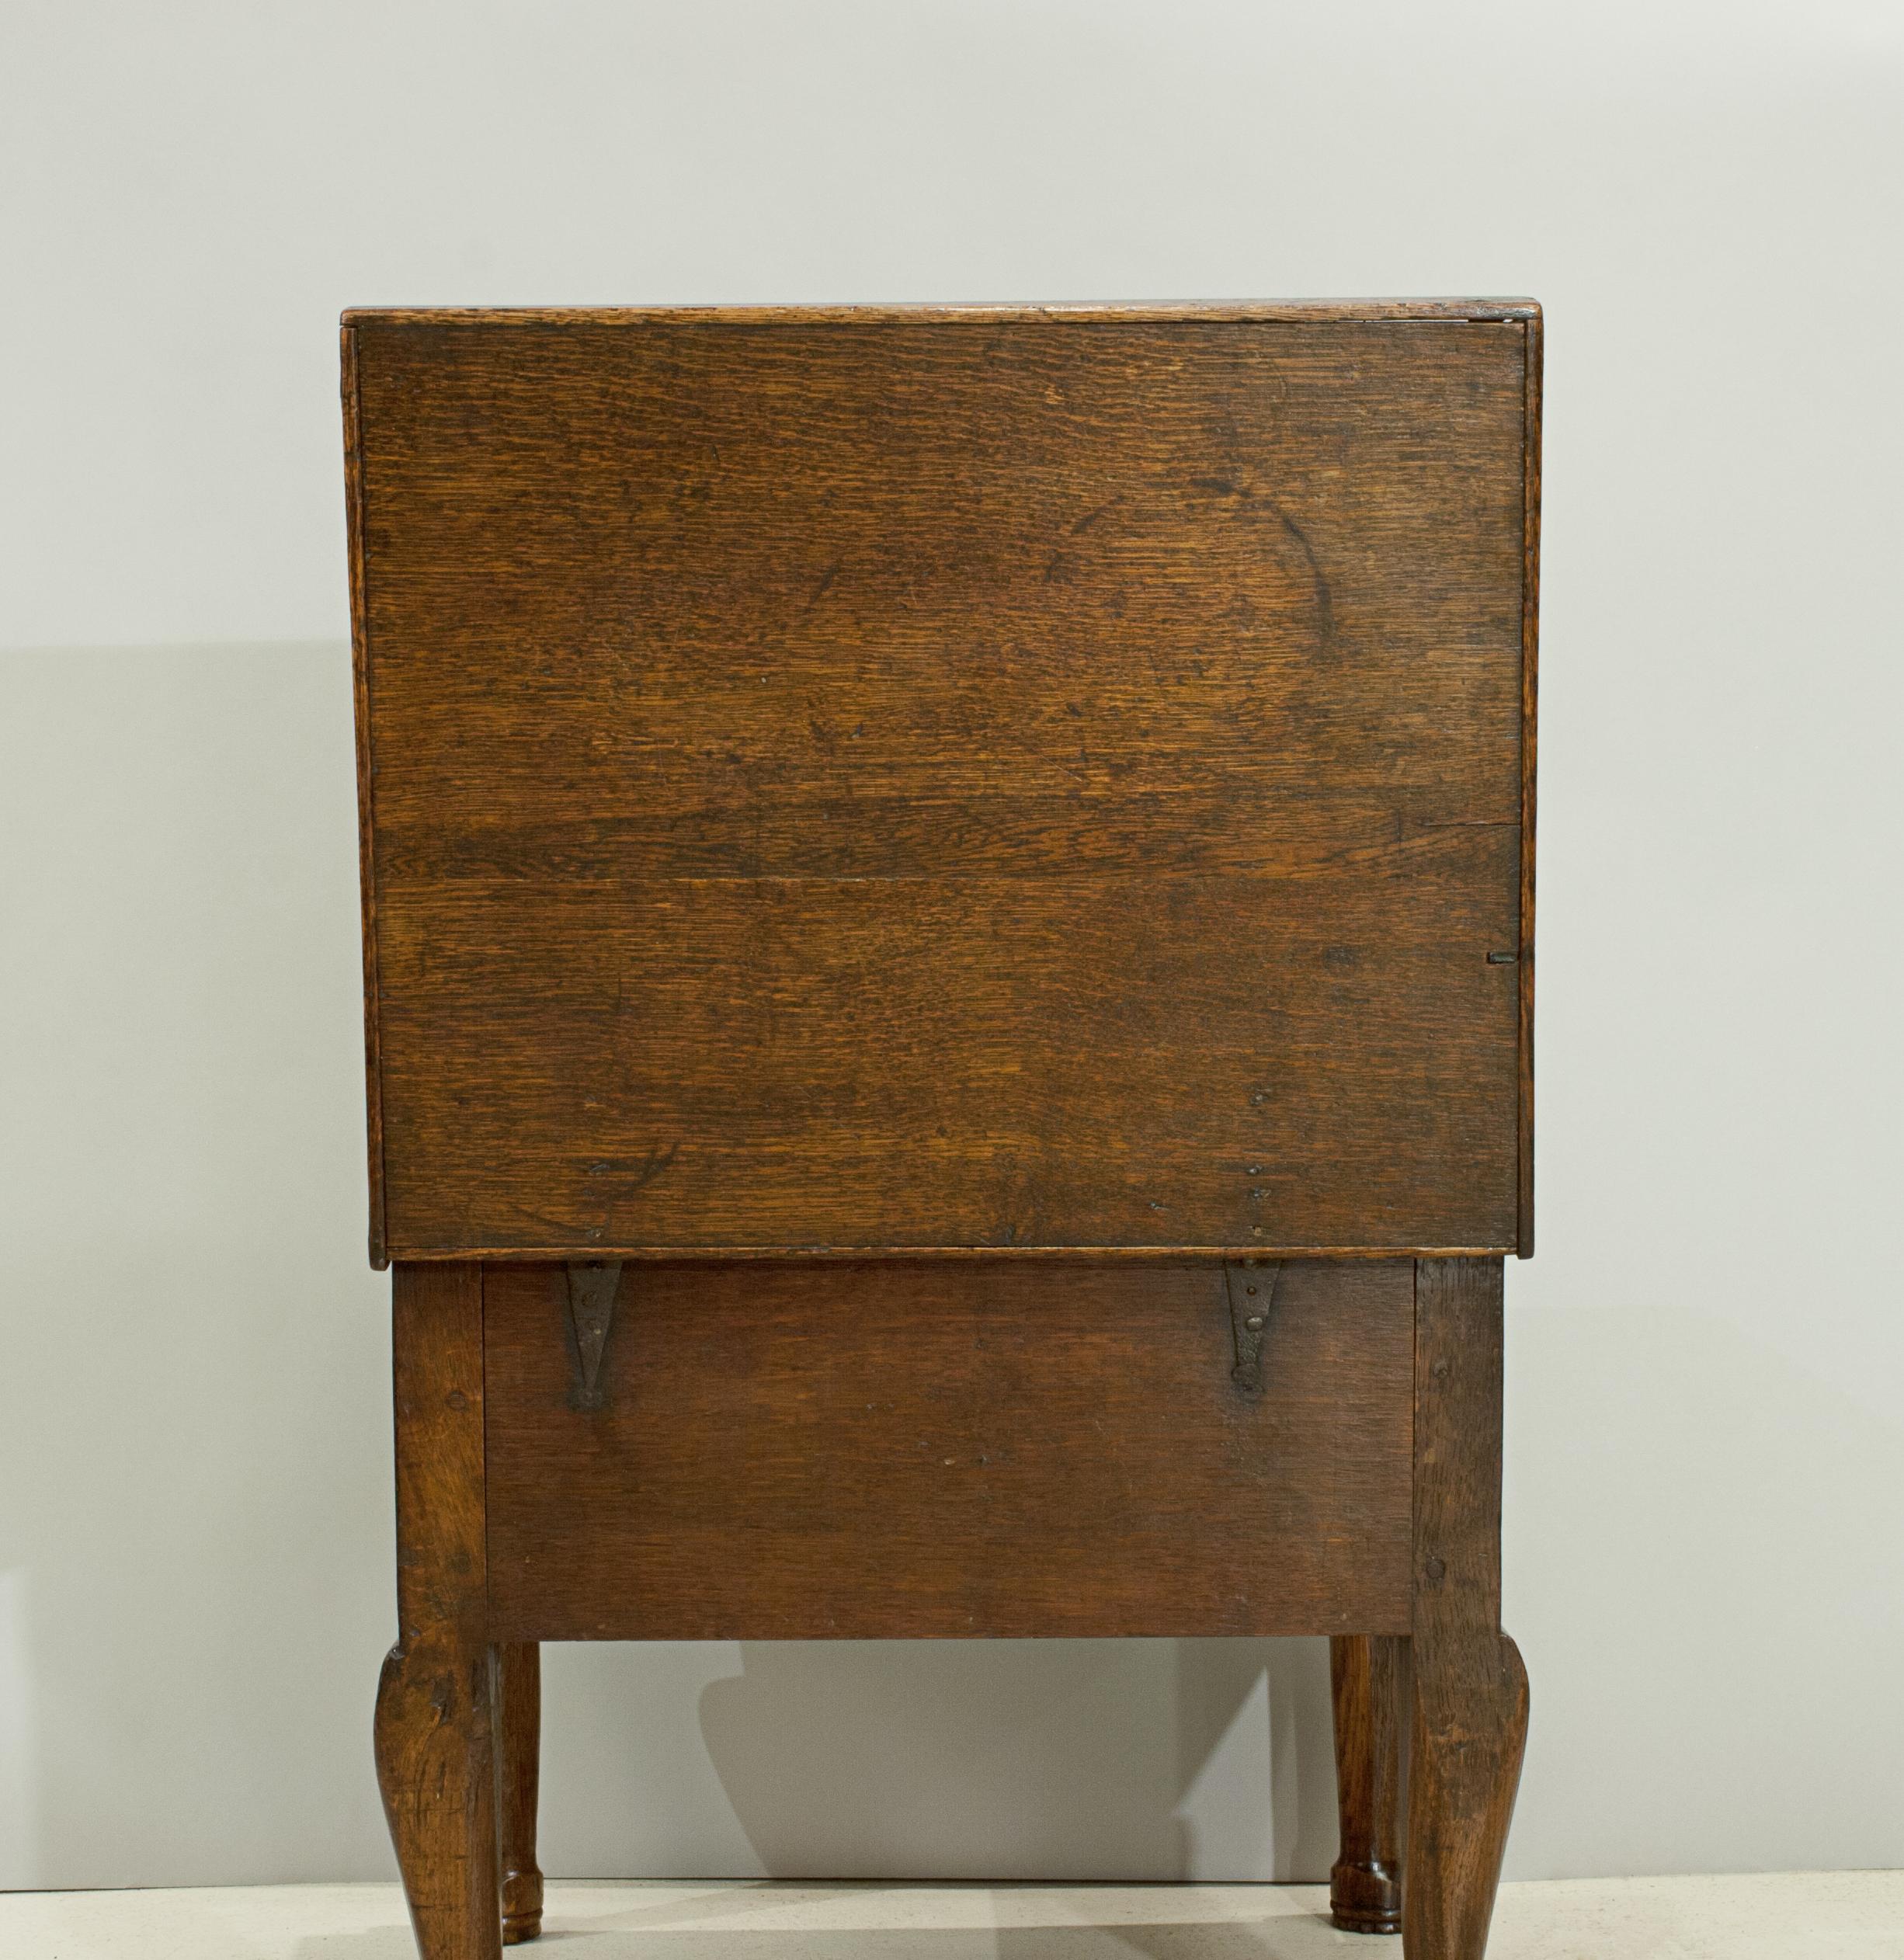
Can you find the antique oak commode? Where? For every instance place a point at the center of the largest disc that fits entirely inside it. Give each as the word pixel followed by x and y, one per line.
pixel 948 913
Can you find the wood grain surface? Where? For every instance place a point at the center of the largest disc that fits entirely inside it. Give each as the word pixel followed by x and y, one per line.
pixel 1530 676
pixel 434 1727
pixel 989 1448
pixel 1470 1721
pixel 518 1679
pixel 1372 1699
pixel 945 781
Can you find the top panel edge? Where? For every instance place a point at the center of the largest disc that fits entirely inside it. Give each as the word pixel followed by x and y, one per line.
pixel 1079 313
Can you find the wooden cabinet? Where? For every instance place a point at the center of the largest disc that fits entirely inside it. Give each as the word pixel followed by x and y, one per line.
pixel 948 953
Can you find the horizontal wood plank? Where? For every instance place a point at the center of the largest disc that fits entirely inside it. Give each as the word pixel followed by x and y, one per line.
pixel 941 781
pixel 1061 312
pixel 993 1448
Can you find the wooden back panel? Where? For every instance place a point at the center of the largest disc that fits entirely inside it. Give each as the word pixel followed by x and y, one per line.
pixel 795 1450
pixel 968 781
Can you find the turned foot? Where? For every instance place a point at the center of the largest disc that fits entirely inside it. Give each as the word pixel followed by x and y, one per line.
pixel 1369 1683
pixel 518 1736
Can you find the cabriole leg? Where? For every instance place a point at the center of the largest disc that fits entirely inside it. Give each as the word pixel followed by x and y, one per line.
pixel 1471 1692
pixel 435 1760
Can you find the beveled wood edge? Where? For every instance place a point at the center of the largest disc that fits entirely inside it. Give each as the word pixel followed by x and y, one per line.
pixel 366 858
pixel 1529 676
pixel 1084 312
pixel 513 1630
pixel 1155 1255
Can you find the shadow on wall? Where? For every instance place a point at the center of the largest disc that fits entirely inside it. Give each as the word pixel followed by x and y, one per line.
pixel 194 1401
pixel 1029 1760
pixel 961 1760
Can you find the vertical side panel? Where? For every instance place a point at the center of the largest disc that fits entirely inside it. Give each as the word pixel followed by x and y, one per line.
pixel 1529 674
pixel 367 855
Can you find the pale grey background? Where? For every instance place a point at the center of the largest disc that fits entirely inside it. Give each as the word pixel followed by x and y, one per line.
pixel 1705 1446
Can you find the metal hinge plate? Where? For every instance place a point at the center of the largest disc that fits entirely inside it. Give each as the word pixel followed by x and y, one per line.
pixel 1251 1289
pixel 593 1290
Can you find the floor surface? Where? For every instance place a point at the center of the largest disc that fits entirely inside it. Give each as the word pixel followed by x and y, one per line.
pixel 1809 1916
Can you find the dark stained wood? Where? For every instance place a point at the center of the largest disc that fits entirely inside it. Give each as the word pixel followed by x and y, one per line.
pixel 1331 312
pixel 991 1448
pixel 366 868
pixel 1531 652
pixel 435 1759
pixel 997 781
pixel 1471 1691
pixel 949 902
pixel 519 1741
pixel 1369 1684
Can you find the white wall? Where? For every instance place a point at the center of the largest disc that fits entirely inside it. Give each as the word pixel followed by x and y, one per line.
pixel 1705 1564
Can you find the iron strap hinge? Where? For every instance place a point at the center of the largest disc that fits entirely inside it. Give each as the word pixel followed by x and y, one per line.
pixel 1252 1290
pixel 593 1290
